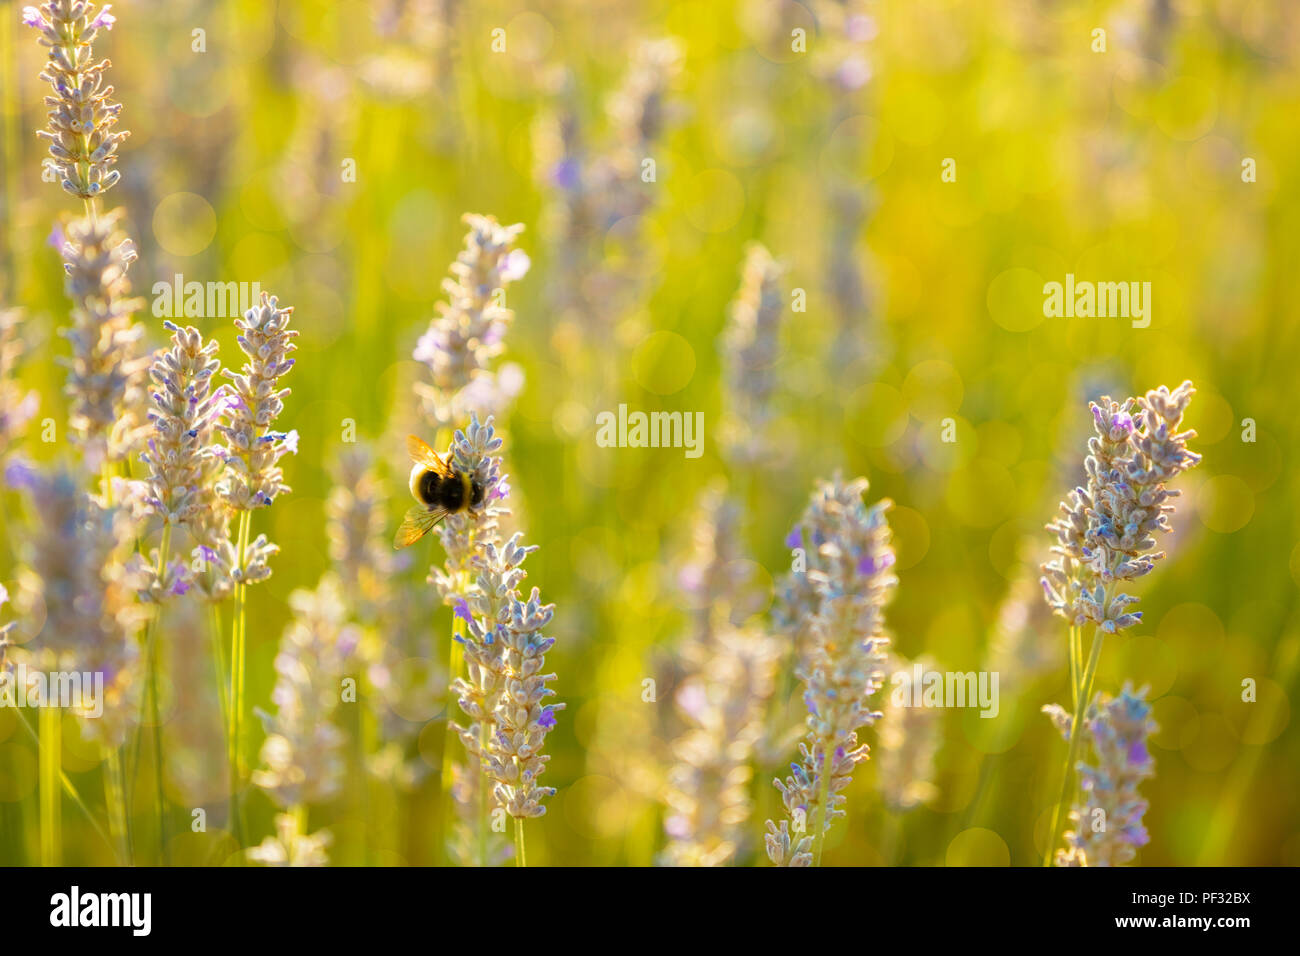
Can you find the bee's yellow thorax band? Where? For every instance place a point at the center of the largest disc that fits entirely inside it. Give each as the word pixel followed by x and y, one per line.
pixel 466 484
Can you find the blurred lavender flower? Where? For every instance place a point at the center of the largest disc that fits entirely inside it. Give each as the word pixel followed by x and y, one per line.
pixel 724 704
pixel 908 743
pixel 1107 818
pixel 82 117
pixel 302 756
pixel 725 681
pixel 840 664
pixel 468 330
pixel 77 571
pixel 1105 532
pixel 842 61
pixel 107 375
pixel 593 189
pixel 356 522
pixel 290 846
pixel 5 665
pixel 16 406
pixel 752 345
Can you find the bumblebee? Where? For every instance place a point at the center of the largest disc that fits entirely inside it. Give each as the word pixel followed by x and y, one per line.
pixel 440 489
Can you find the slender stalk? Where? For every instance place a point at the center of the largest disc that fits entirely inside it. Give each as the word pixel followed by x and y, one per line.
pixel 1074 666
pixel 1076 728
pixel 237 649
pixel 219 660
pixel 51 783
pixel 455 664
pixel 520 858
pixel 115 798
pixel 824 809
pixel 68 787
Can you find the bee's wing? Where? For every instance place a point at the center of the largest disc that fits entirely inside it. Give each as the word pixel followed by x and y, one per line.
pixel 422 454
pixel 417 523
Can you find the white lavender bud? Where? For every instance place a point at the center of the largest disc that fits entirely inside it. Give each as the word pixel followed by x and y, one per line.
pixel 82 117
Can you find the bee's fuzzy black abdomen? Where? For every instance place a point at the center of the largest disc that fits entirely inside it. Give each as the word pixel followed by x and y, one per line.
pixel 438 491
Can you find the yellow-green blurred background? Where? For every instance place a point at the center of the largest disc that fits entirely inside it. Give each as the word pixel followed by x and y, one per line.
pixel 1122 165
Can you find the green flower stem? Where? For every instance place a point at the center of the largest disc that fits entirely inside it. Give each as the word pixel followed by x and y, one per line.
pixel 51 783
pixel 151 650
pixel 1076 728
pixel 68 787
pixel 115 798
pixel 520 858
pixel 237 668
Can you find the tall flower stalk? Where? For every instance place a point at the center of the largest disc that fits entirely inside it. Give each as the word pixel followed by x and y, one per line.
pixel 849 562
pixel 252 478
pixel 458 350
pixel 1105 536
pixel 181 464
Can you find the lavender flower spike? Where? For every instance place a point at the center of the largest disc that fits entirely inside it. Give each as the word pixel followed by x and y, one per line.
pixel 840 664
pixel 253 477
pixel 82 117
pixel 1105 533
pixel 181 461
pixel 467 332
pixel 506 692
pixel 107 376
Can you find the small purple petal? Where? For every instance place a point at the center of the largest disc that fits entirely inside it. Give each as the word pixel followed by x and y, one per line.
pixel 462 611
